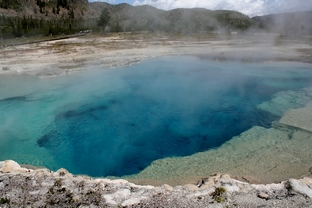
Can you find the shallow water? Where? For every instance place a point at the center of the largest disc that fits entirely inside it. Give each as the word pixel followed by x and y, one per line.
pixel 117 121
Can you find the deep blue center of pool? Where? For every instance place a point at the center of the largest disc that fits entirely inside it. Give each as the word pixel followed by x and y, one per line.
pixel 117 121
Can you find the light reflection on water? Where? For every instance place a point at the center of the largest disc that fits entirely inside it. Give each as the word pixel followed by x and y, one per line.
pixel 117 121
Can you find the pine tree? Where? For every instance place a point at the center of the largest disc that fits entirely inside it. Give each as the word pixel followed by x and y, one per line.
pixel 104 19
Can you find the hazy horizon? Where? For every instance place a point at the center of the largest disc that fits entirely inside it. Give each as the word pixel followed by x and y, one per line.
pixel 248 7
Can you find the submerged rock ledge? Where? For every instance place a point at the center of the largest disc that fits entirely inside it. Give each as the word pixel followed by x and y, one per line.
pixel 22 187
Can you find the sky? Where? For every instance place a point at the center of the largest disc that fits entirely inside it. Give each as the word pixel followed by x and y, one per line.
pixel 248 7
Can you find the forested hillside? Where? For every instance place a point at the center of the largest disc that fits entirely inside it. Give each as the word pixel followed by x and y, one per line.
pixel 54 17
pixel 290 24
pixel 128 18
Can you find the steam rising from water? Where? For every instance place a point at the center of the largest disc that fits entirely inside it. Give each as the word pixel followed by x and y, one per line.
pixel 116 122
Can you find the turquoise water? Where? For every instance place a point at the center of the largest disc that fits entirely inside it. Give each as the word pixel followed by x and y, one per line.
pixel 115 122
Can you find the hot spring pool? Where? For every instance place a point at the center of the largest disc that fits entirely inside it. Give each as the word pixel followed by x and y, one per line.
pixel 116 122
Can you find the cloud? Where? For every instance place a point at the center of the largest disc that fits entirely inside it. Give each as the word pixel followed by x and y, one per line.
pixel 248 7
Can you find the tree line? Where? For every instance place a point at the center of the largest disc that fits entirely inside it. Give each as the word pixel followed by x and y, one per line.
pixel 28 26
pixel 11 27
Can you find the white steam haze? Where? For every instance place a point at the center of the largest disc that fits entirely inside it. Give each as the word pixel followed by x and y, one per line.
pixel 248 7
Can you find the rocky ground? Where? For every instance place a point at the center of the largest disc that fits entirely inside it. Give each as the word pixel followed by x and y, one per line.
pixel 21 187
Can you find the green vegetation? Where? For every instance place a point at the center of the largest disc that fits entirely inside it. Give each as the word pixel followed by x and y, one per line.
pixel 233 20
pixel 4 201
pixel 28 26
pixel 10 4
pixel 217 195
pixel 104 19
pixel 33 18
